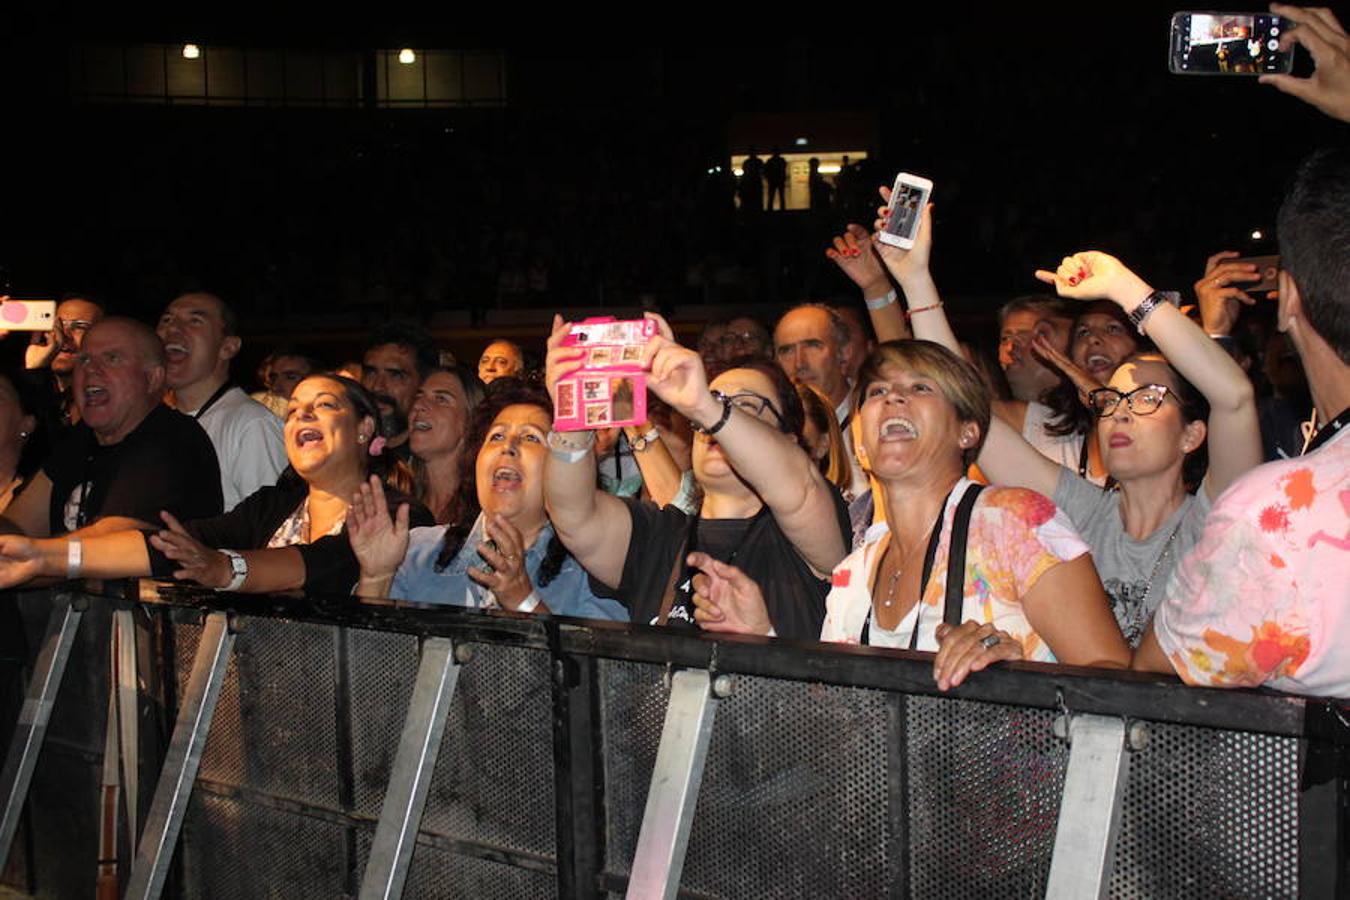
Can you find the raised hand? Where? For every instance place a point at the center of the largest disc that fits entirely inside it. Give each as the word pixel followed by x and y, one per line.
pixel 198 562
pixel 1093 275
pixel 855 256
pixel 20 560
pixel 678 375
pixel 1328 88
pixel 905 264
pixel 970 647
pixel 726 599
pixel 1218 295
pixel 379 543
pixel 560 361
pixel 507 579
pixel 43 347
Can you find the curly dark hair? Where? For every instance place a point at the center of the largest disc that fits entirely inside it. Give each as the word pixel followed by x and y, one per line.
pixel 500 394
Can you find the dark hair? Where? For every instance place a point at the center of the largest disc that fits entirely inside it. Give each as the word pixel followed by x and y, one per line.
pixel 390 469
pixel 30 401
pixel 1194 408
pixel 1314 237
pixel 1068 413
pixel 1053 307
pixel 473 394
pixel 503 392
pixel 789 405
pixel 414 338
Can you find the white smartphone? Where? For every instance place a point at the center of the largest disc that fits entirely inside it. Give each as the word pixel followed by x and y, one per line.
pixel 908 198
pixel 27 315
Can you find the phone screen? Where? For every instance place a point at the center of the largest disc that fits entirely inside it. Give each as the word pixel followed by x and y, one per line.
pixel 907 202
pixel 1228 44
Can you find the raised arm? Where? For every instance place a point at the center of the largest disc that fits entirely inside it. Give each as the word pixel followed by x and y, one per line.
pixel 1006 457
pixel 771 462
pixel 855 256
pixel 1234 434
pixel 661 475
pixel 593 526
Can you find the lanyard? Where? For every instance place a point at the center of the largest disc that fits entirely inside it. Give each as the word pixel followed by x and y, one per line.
pixel 1328 431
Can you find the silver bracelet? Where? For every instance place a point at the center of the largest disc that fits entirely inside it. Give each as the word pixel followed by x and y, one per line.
pixel 882 302
pixel 74 557
pixel 529 604
pixel 569 453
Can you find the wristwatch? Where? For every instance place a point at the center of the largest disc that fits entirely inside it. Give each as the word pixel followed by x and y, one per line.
pixel 239 568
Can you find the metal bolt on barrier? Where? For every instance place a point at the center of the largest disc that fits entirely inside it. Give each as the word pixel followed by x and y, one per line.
pixel 721 686
pixel 463 653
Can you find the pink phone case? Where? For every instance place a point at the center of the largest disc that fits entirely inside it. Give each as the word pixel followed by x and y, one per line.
pixel 610 389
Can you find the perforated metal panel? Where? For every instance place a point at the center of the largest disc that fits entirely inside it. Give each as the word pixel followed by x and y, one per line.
pixel 439 874
pixel 794 795
pixel 984 791
pixel 381 671
pixel 238 849
pixel 494 778
pixel 275 723
pixel 1209 813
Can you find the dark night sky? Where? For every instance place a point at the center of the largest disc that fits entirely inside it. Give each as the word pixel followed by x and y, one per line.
pixel 1044 133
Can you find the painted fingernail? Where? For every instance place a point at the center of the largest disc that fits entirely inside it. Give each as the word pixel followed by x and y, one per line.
pixel 1073 279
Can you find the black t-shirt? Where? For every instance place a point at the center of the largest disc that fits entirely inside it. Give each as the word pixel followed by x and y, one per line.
pixel 795 597
pixel 166 462
pixel 330 564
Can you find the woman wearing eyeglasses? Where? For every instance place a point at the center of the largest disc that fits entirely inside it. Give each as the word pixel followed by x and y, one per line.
pixel 766 507
pixel 1156 415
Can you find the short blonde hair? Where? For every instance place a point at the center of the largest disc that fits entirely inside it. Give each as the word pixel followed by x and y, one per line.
pixel 958 380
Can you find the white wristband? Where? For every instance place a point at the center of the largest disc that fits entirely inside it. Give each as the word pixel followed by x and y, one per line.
pixel 74 557
pixel 882 302
pixel 566 452
pixel 239 570
pixel 529 604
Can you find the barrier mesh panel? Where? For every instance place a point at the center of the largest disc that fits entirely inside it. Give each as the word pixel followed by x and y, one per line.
pixel 1209 813
pixel 381 670
pixel 238 849
pixel 793 801
pixel 494 776
pixel 984 791
pixel 274 726
pixel 439 874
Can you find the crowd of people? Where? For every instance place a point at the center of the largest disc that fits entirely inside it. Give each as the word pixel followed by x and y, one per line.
pixel 1092 493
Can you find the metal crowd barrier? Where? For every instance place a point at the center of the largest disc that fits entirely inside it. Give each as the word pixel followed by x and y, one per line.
pixel 322 747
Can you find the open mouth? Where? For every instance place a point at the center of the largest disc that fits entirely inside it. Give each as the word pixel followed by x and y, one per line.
pixel 95 396
pixel 306 436
pixel 898 429
pixel 175 352
pixel 505 478
pixel 1097 362
pixel 421 425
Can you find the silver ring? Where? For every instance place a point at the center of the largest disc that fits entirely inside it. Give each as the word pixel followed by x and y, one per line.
pixel 989 640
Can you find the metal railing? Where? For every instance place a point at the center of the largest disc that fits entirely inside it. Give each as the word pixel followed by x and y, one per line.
pixel 311 746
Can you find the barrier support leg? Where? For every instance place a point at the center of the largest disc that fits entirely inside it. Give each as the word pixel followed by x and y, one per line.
pixel 673 795
pixel 168 807
pixel 31 729
pixel 418 745
pixel 1089 812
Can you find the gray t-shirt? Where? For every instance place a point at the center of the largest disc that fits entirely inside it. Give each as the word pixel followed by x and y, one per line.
pixel 1127 566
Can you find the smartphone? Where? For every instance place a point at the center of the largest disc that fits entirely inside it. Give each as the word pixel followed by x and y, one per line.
pixel 1268 267
pixel 27 315
pixel 610 388
pixel 1217 43
pixel 909 195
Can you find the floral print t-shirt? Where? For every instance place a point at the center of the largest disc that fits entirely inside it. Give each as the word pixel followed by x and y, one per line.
pixel 1016 535
pixel 1264 598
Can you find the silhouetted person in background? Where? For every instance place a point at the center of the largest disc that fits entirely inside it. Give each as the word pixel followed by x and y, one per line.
pixel 752 183
pixel 775 173
pixel 819 187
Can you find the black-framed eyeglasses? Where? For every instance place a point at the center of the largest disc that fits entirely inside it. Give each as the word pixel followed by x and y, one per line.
pixel 1142 401
pixel 752 403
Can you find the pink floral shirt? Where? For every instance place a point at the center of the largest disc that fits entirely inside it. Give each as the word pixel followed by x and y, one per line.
pixel 1016 535
pixel 1264 597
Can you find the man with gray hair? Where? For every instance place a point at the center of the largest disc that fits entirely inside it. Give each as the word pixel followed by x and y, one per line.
pixel 129 458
